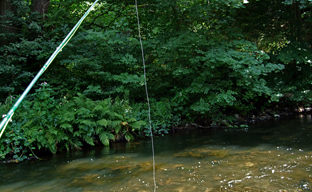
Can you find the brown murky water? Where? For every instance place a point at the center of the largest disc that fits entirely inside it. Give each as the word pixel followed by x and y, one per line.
pixel 275 156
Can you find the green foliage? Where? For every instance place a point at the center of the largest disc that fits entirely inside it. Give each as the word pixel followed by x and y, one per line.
pixel 33 127
pixel 210 76
pixel 162 117
pixel 205 62
pixel 287 43
pixel 294 83
pixel 105 119
pixel 112 72
pixel 43 122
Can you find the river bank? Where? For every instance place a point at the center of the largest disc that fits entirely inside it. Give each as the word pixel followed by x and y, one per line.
pixel 240 122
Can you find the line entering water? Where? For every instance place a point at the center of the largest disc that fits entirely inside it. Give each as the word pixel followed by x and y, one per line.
pixel 147 98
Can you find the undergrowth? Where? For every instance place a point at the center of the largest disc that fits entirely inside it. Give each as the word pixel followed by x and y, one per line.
pixel 45 122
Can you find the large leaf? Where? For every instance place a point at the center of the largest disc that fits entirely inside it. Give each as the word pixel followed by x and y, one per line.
pixel 87 122
pixel 129 136
pixel 104 138
pixel 67 126
pixel 102 122
pixel 137 125
pixel 88 139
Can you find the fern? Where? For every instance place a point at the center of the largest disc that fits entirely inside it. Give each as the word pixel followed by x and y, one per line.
pixel 131 120
pixel 83 128
pixel 77 134
pixel 98 108
pixel 137 125
pixel 76 144
pixel 88 139
pixel 104 138
pixel 80 100
pixel 117 128
pixel 67 126
pixel 68 116
pixel 87 122
pixel 102 108
pixel 84 112
pixel 129 136
pixel 98 130
pixel 111 136
pixel 115 124
pixel 102 122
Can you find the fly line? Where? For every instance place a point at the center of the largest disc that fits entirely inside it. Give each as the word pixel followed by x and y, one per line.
pixel 147 98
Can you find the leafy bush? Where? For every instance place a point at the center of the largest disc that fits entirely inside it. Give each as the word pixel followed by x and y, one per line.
pixel 162 118
pixel 212 77
pixel 108 68
pixel 45 123
pixel 31 124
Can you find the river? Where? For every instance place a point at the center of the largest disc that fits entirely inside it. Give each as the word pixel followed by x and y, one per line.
pixel 270 156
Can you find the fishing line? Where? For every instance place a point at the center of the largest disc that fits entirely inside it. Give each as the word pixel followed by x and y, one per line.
pixel 147 98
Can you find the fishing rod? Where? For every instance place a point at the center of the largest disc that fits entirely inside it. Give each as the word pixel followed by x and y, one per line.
pixel 9 115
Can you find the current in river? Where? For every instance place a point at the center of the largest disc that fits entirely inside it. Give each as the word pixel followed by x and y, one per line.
pixel 270 156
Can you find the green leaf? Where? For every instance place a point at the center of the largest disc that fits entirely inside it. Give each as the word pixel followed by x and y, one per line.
pixel 129 136
pixel 87 122
pixel 115 123
pixel 104 138
pixel 137 125
pixel 88 139
pixel 117 128
pixel 131 120
pixel 67 126
pixel 102 122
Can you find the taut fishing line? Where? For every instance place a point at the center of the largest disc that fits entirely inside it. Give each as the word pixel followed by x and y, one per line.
pixel 147 98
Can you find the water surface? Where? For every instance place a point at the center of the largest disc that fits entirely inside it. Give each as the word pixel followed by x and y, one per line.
pixel 272 156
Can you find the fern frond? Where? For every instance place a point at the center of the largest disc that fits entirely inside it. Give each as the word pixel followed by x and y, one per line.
pixel 104 138
pixel 114 124
pixel 102 122
pixel 67 126
pixel 131 120
pixel 98 130
pixel 83 111
pixel 80 100
pixel 129 136
pixel 117 128
pixel 77 134
pixel 137 125
pixel 111 136
pixel 87 122
pixel 97 108
pixel 114 115
pixel 68 116
pixel 88 139
pixel 76 144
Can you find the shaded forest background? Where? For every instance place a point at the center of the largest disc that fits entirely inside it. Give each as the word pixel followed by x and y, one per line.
pixel 208 61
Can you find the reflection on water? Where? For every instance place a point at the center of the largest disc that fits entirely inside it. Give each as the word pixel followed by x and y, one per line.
pixel 275 156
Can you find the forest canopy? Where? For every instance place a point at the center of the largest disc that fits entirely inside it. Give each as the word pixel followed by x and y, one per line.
pixel 207 60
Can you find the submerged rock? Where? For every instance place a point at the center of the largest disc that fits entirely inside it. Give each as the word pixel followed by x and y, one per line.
pixel 200 153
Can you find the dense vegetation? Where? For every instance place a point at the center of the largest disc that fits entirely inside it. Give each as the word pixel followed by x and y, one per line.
pixel 207 60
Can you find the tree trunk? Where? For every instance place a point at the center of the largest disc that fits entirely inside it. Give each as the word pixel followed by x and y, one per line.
pixel 298 22
pixel 40 6
pixel 176 18
pixel 295 20
pixel 7 26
